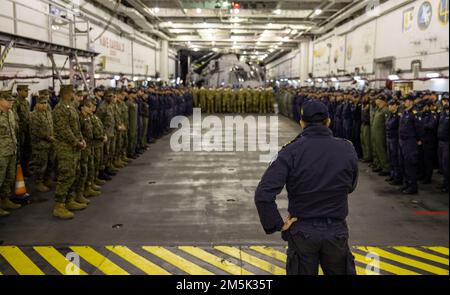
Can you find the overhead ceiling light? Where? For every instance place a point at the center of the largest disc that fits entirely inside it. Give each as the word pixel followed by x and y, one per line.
pixel 318 11
pixel 215 49
pixel 199 10
pixel 169 24
pixel 96 76
pixel 334 79
pixel 277 11
pixel 156 10
pixel 433 75
pixel 196 49
pixel 149 79
pixel 393 77
pixel 320 80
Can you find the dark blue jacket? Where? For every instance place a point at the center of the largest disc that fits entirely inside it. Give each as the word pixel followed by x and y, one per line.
pixel 319 171
pixel 443 126
pixel 392 123
pixel 411 125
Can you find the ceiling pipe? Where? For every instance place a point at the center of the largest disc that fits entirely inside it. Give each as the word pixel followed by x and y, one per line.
pixel 333 20
pixel 137 15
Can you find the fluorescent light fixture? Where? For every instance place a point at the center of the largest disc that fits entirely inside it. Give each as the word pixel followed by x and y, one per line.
pixel 309 80
pixel 433 75
pixel 135 79
pixel 277 11
pixel 156 10
pixel 158 80
pixel 334 79
pixel 215 49
pixel 149 79
pixel 116 77
pixel 393 77
pixel 199 10
pixel 169 24
pixel 96 76
pixel 320 80
pixel 318 11
pixel 196 49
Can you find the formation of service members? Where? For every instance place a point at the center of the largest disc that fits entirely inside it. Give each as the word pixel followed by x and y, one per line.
pixel 228 100
pixel 403 137
pixel 81 141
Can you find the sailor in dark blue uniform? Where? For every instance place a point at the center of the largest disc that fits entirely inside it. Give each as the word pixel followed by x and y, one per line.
pixel 338 117
pixel 319 172
pixel 347 118
pixel 443 140
pixel 410 138
pixel 391 125
pixel 428 148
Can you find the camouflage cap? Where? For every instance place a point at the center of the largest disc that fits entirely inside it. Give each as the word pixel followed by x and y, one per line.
pixel 86 102
pixel 42 99
pixel 109 93
pixel 7 95
pixel 66 89
pixel 22 87
pixel 44 92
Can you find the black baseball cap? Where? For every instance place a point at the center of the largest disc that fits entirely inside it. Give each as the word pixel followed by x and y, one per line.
pixel 314 111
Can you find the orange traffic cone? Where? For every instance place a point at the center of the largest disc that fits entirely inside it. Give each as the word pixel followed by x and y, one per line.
pixel 21 189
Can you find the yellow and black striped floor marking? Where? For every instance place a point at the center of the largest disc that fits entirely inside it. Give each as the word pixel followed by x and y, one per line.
pixel 222 260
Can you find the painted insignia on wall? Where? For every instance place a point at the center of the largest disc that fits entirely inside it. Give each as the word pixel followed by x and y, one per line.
pixel 367 48
pixel 443 11
pixel 408 17
pixel 424 16
pixel 349 52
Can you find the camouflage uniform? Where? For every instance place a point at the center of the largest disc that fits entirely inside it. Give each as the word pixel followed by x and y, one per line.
pixel 97 144
pixel 210 100
pixel 218 101
pixel 106 114
pixel 66 123
pixel 87 166
pixel 22 108
pixel 133 127
pixel 123 111
pixel 42 137
pixel 8 150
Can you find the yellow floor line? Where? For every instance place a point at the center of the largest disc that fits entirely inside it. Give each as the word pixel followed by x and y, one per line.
pixel 271 252
pixel 406 261
pixel 385 266
pixel 98 260
pixel 19 261
pixel 441 250
pixel 58 261
pixel 253 260
pixel 176 260
pixel 216 261
pixel 421 254
pixel 140 262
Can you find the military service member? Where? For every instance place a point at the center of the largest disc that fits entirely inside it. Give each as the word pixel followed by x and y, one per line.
pixel 68 144
pixel 8 152
pixel 42 139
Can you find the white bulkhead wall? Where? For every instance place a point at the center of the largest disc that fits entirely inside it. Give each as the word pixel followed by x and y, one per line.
pixel 131 53
pixel 366 39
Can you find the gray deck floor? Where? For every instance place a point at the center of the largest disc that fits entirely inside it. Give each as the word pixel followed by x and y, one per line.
pixel 168 198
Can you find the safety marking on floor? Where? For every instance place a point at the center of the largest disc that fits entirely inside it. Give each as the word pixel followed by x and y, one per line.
pixel 230 260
